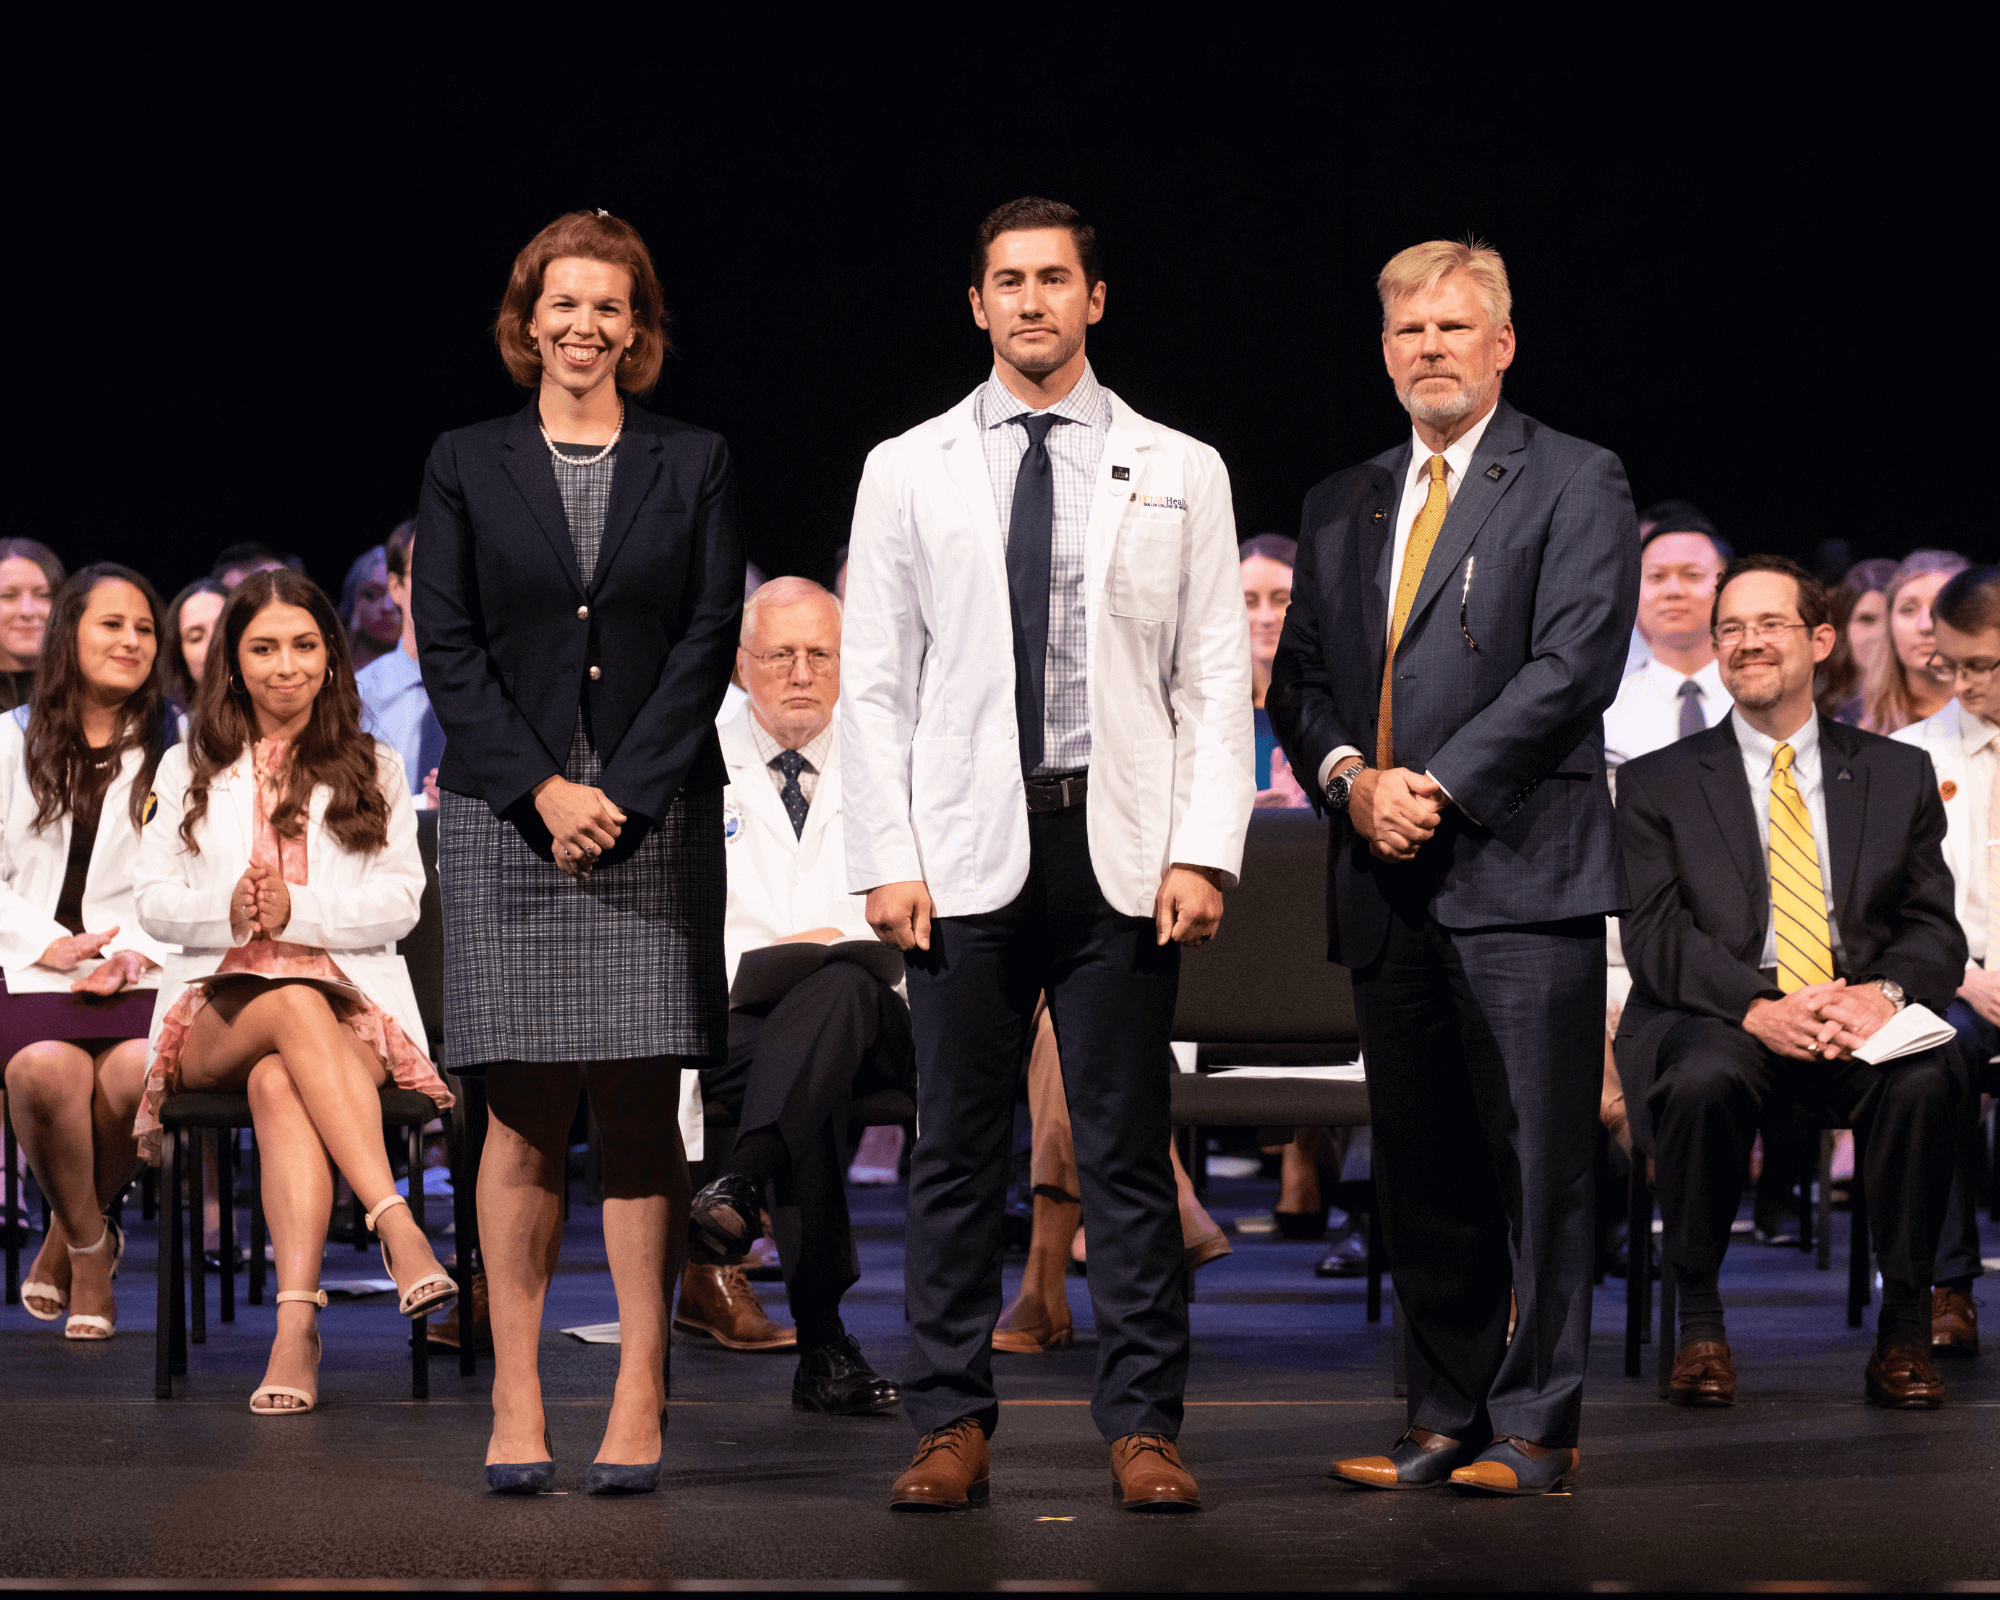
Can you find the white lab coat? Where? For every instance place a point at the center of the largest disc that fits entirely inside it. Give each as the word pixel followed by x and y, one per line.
pixel 353 906
pixel 32 865
pixel 1941 738
pixel 781 883
pixel 932 763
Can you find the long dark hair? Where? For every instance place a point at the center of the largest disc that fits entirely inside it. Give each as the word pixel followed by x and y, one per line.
pixel 180 681
pixel 330 749
pixel 61 775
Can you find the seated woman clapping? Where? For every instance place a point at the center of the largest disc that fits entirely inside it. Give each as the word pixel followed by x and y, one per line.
pixel 76 767
pixel 283 861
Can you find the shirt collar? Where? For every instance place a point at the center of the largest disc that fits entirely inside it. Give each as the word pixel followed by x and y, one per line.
pixel 1804 743
pixel 1670 679
pixel 397 667
pixel 1457 454
pixel 816 749
pixel 1974 733
pixel 1085 403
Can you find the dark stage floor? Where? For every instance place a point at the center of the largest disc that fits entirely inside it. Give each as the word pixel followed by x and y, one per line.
pixel 1802 1481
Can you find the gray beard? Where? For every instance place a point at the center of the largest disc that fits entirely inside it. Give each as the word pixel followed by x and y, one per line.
pixel 1444 412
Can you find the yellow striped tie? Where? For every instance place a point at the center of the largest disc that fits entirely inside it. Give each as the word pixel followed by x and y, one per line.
pixel 1423 535
pixel 1798 897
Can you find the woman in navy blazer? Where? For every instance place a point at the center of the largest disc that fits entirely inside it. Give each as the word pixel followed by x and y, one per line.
pixel 578 588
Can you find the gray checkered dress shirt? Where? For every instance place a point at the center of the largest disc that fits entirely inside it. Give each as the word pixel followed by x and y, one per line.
pixel 1075 448
pixel 815 750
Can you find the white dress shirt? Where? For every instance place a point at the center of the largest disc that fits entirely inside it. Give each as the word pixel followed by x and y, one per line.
pixel 1980 740
pixel 393 703
pixel 1646 716
pixel 1759 761
pixel 1416 490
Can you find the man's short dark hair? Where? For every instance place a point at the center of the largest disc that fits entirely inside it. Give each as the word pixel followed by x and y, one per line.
pixel 396 549
pixel 1812 593
pixel 1031 212
pixel 1724 552
pixel 245 554
pixel 1970 603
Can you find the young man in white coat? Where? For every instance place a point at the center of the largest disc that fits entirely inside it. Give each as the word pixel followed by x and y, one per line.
pixel 1048 746
pixel 1963 742
pixel 794 1065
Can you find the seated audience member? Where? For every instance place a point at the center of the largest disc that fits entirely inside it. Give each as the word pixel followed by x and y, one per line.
pixel 1963 742
pixel 190 625
pixel 1038 1318
pixel 1678 690
pixel 1683 514
pixel 1865 633
pixel 1900 688
pixel 793 1066
pixel 373 621
pixel 283 863
pixel 76 767
pixel 1767 942
pixel 1267 562
pixel 30 574
pixel 394 706
pixel 234 563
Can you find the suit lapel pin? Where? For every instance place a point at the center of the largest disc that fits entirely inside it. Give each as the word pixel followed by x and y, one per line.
pixel 1380 515
pixel 1496 472
pixel 1843 776
pixel 1122 474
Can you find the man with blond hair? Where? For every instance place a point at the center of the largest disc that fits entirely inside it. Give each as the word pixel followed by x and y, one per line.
pixel 1458 625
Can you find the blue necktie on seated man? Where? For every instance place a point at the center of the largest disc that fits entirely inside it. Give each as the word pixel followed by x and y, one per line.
pixel 1031 529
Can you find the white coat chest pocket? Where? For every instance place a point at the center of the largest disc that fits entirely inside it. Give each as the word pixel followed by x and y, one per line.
pixel 1146 565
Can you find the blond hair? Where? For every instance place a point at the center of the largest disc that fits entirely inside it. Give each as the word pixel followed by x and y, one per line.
pixel 1423 266
pixel 780 592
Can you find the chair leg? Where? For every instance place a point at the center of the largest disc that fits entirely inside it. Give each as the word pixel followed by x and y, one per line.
pixel 1638 1261
pixel 17 1224
pixel 457 1145
pixel 1823 1204
pixel 1377 1256
pixel 225 1183
pixel 256 1221
pixel 149 1193
pixel 166 1322
pixel 1669 1316
pixel 413 1138
pixel 1861 1249
pixel 197 1226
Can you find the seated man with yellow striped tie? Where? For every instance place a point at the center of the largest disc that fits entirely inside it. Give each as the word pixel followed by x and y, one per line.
pixel 1789 896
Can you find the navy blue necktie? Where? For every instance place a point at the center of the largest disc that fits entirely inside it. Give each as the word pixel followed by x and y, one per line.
pixel 1031 532
pixel 791 764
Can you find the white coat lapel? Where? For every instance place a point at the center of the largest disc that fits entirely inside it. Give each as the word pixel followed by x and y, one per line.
pixel 825 801
pixel 241 782
pixel 965 465
pixel 757 794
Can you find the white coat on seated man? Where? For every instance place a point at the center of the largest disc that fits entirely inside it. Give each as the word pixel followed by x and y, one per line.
pixel 796 1062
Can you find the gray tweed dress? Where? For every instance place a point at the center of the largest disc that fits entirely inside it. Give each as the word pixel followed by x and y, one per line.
pixel 627 962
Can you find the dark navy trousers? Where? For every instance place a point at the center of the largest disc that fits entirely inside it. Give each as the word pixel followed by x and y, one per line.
pixel 1111 992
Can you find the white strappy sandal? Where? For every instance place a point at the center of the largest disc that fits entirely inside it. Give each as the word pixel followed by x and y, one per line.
pixel 313 1297
pixel 113 1237
pixel 43 1291
pixel 431 1294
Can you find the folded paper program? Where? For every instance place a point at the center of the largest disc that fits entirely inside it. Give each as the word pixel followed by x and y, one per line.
pixel 1913 1029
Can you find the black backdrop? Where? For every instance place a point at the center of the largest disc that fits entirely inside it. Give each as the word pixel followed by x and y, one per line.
pixel 307 300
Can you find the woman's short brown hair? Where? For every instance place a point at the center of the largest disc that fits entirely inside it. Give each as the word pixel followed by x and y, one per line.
pixel 594 236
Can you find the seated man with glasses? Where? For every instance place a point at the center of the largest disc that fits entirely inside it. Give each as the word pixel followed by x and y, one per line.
pixel 798 1060
pixel 1963 742
pixel 1789 895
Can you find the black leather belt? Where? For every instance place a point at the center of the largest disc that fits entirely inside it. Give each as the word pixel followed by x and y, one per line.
pixel 1058 791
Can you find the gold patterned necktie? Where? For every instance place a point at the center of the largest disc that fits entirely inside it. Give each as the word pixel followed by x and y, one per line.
pixel 1423 535
pixel 1798 896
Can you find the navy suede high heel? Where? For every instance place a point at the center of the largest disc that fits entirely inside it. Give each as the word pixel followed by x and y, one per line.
pixel 523 1477
pixel 612 1477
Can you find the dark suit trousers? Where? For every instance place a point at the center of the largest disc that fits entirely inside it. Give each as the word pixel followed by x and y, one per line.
pixel 1958 1245
pixel 1485 1053
pixel 1716 1081
pixel 837 1034
pixel 1111 991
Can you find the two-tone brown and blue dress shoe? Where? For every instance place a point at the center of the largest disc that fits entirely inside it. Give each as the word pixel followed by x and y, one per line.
pixel 1519 1466
pixel 1419 1460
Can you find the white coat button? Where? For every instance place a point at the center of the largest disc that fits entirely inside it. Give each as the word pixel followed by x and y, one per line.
pixel 596 673
pixel 582 612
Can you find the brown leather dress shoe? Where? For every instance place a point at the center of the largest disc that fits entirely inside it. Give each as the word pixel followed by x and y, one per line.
pixel 949 1472
pixel 1147 1475
pixel 448 1330
pixel 1028 1328
pixel 1900 1375
pixel 1704 1375
pixel 718 1303
pixel 1954 1323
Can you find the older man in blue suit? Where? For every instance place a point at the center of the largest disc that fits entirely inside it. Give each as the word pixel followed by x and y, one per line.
pixel 1458 624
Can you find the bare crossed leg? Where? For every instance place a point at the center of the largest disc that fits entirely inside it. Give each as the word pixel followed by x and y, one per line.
pixel 645 1232
pixel 313 1089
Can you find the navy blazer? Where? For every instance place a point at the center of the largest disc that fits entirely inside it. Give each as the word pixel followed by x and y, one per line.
pixel 507 633
pixel 1509 722
pixel 1701 885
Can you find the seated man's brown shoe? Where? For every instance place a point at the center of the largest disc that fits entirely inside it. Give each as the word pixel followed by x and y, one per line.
pixel 1900 1375
pixel 448 1331
pixel 1028 1327
pixel 718 1303
pixel 1954 1323
pixel 1703 1375
pixel 1147 1475
pixel 949 1472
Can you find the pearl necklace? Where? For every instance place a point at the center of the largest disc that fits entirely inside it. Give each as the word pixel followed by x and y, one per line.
pixel 584 461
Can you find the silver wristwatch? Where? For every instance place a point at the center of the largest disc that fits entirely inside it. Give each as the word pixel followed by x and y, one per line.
pixel 1341 785
pixel 1893 989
